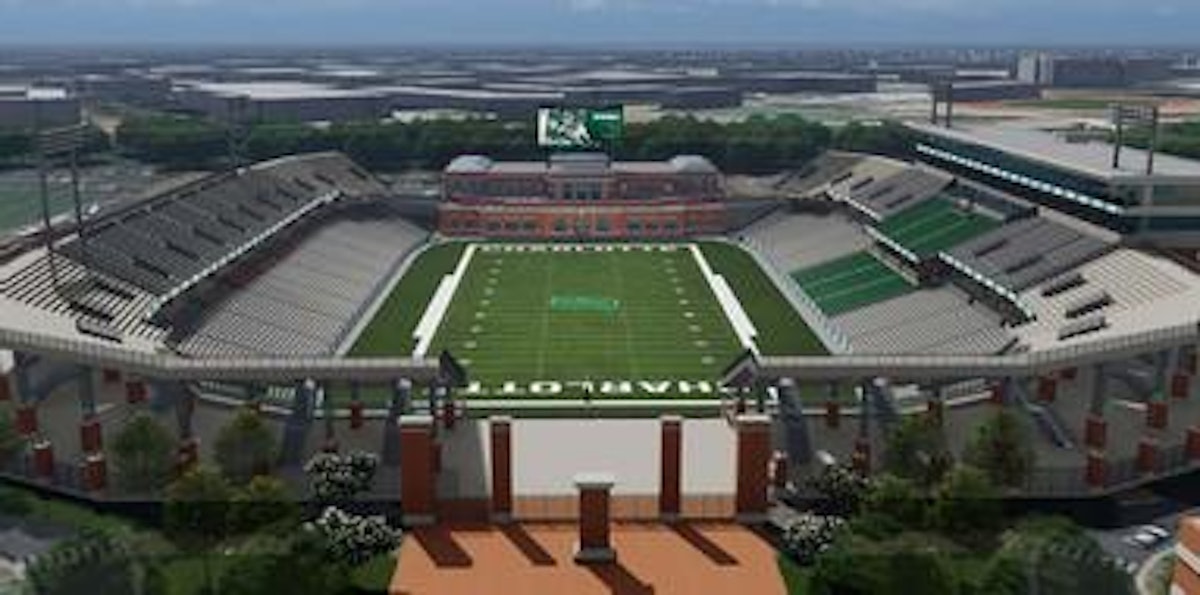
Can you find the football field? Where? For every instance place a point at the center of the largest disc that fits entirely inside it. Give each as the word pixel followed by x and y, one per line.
pixel 569 315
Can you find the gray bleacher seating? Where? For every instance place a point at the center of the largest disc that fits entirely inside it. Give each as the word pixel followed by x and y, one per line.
pixel 930 321
pixel 1027 252
pixel 170 239
pixel 305 302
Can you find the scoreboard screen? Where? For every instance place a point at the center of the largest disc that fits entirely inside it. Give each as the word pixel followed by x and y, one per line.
pixel 579 128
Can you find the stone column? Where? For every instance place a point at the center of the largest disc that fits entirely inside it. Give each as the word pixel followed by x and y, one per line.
pixel 1096 427
pixel 1047 389
pixel 356 405
pixel 753 458
pixel 91 437
pixel 833 409
pixel 43 459
pixel 595 542
pixel 417 478
pixel 1149 455
pixel 1097 470
pixel 502 485
pixel 671 450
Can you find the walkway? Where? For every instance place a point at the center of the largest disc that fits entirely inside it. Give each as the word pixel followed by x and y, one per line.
pixel 533 559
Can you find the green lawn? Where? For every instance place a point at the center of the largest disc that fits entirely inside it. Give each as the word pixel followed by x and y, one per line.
pixel 573 317
pixel 851 282
pixel 781 330
pixel 390 333
pixel 624 313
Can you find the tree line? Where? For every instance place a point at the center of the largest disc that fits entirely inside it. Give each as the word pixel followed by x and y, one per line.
pixel 757 144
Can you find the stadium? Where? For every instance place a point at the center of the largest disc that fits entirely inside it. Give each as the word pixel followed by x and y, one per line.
pixel 582 304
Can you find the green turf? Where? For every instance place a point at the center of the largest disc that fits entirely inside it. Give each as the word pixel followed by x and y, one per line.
pixel 390 333
pixel 661 321
pixel 935 225
pixel 781 330
pixel 851 282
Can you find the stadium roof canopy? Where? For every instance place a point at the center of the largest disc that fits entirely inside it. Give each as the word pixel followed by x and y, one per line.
pixel 1090 158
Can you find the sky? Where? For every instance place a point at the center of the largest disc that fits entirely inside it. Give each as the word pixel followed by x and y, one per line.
pixel 601 22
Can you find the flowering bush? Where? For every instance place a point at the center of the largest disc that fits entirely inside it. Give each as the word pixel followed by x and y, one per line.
pixel 337 477
pixel 809 534
pixel 352 538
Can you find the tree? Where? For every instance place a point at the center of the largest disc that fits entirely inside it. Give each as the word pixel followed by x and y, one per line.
pixel 143 455
pixel 264 502
pixel 966 503
pixel 840 489
pixel 351 538
pixel 897 499
pixel 856 565
pixel 245 448
pixel 336 478
pixel 1001 448
pixel 299 568
pixel 1054 555
pixel 92 562
pixel 916 450
pixel 196 514
pixel 808 535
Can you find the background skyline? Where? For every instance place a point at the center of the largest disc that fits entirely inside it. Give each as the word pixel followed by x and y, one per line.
pixel 600 22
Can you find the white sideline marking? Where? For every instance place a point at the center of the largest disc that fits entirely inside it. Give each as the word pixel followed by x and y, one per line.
pixel 742 326
pixel 440 303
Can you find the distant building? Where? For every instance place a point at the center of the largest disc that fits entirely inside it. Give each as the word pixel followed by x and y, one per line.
pixel 27 108
pixel 282 100
pixel 1051 70
pixel 1073 172
pixel 1186 580
pixel 581 195
pixel 1004 90
pixel 132 89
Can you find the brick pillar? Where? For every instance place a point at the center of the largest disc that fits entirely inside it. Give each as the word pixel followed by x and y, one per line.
pixel 1156 414
pixel 43 459
pixel 595 544
pixel 999 393
pixel 753 457
pixel 90 434
pixel 1097 470
pixel 1193 443
pixel 1096 432
pixel 356 415
pixel 502 487
pixel 861 459
pixel 671 454
pixel 95 472
pixel 833 414
pixel 188 454
pixel 1181 386
pixel 27 421
pixel 1148 455
pixel 1047 389
pixel 935 409
pixel 135 391
pixel 417 477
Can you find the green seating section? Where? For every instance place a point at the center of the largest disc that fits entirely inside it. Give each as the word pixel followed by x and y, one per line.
pixel 851 282
pixel 935 225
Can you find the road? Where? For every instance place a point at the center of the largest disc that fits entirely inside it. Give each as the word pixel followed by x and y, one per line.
pixel 1131 558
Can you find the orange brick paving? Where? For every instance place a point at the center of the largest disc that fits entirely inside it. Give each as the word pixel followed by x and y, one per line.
pixel 532 559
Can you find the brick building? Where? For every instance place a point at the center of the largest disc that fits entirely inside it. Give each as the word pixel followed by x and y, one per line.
pixel 581 195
